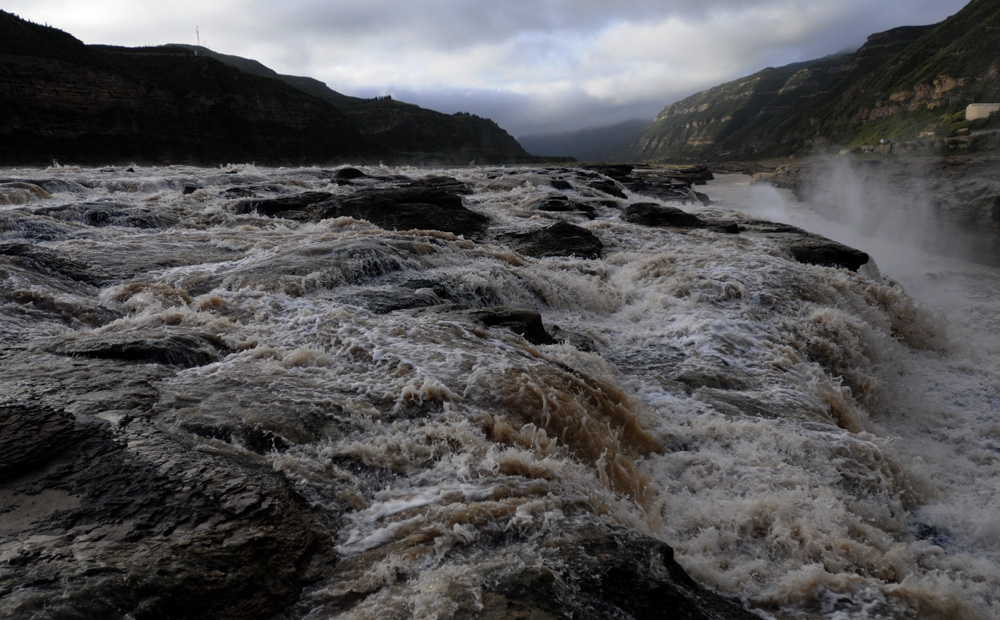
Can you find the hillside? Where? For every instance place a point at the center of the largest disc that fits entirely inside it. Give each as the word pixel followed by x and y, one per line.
pixel 63 100
pixel 901 83
pixel 415 133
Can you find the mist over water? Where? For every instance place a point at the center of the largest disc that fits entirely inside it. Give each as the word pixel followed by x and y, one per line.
pixel 942 415
pixel 812 441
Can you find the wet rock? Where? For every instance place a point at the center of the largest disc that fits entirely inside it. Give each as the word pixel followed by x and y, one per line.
pixel 102 214
pixel 618 172
pixel 239 192
pixel 673 183
pixel 735 403
pixel 273 432
pixel 347 174
pixel 692 174
pixel 608 187
pixel 443 291
pixel 560 239
pixel 562 204
pixel 32 436
pixel 676 192
pixel 282 206
pixel 48 263
pixel 524 321
pixel 580 341
pixel 806 247
pixel 19 193
pixel 132 523
pixel 441 183
pixel 172 349
pixel 602 572
pixel 815 250
pixel 57 186
pixel 406 208
pixel 28 227
pixel 652 214
pixel 384 301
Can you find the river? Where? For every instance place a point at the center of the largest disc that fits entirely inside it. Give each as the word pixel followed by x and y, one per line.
pixel 813 442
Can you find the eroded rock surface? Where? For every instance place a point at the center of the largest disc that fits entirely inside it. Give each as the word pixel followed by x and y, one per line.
pixel 559 239
pixel 129 522
pixel 604 572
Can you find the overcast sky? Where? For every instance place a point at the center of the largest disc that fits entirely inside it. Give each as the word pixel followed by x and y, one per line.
pixel 534 66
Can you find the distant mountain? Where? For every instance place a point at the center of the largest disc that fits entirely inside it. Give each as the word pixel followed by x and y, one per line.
pixel 586 144
pixel 63 100
pixel 901 83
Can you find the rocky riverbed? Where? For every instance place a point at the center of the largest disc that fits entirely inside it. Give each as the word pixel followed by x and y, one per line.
pixel 486 392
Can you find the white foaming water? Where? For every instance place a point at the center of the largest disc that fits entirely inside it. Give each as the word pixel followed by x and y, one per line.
pixel 807 439
pixel 942 415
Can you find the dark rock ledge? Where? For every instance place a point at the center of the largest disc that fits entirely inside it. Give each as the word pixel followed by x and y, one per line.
pixel 430 204
pixel 806 247
pixel 99 522
pixel 596 572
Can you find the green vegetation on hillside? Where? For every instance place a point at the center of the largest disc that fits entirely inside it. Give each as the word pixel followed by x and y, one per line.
pixel 903 83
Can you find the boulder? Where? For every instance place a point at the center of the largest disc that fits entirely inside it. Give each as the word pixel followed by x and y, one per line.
pixel 618 172
pixel 560 239
pixel 817 250
pixel 609 187
pixel 599 571
pixel 524 321
pixel 406 208
pixel 343 176
pixel 807 247
pixel 172 349
pixel 652 214
pixel 562 204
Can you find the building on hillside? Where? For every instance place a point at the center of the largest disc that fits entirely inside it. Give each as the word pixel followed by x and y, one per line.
pixel 980 110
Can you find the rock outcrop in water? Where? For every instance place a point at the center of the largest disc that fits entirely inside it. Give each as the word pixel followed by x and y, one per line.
pixel 126 521
pixel 943 204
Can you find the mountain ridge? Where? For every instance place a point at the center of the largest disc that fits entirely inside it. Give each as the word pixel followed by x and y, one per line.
pixel 584 144
pixel 902 82
pixel 63 100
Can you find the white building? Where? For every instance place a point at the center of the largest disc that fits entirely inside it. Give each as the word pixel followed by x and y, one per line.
pixel 980 110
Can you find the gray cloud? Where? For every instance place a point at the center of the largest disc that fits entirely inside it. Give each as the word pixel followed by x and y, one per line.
pixel 531 65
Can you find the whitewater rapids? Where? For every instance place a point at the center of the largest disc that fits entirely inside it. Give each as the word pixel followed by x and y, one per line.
pixel 812 441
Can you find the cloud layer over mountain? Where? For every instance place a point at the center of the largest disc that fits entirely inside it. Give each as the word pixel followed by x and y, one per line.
pixel 531 65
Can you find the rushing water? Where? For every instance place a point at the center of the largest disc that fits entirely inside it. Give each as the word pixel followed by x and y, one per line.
pixel 808 439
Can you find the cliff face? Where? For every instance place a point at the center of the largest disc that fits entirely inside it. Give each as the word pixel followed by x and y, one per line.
pixel 722 120
pixel 63 100
pixel 895 86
